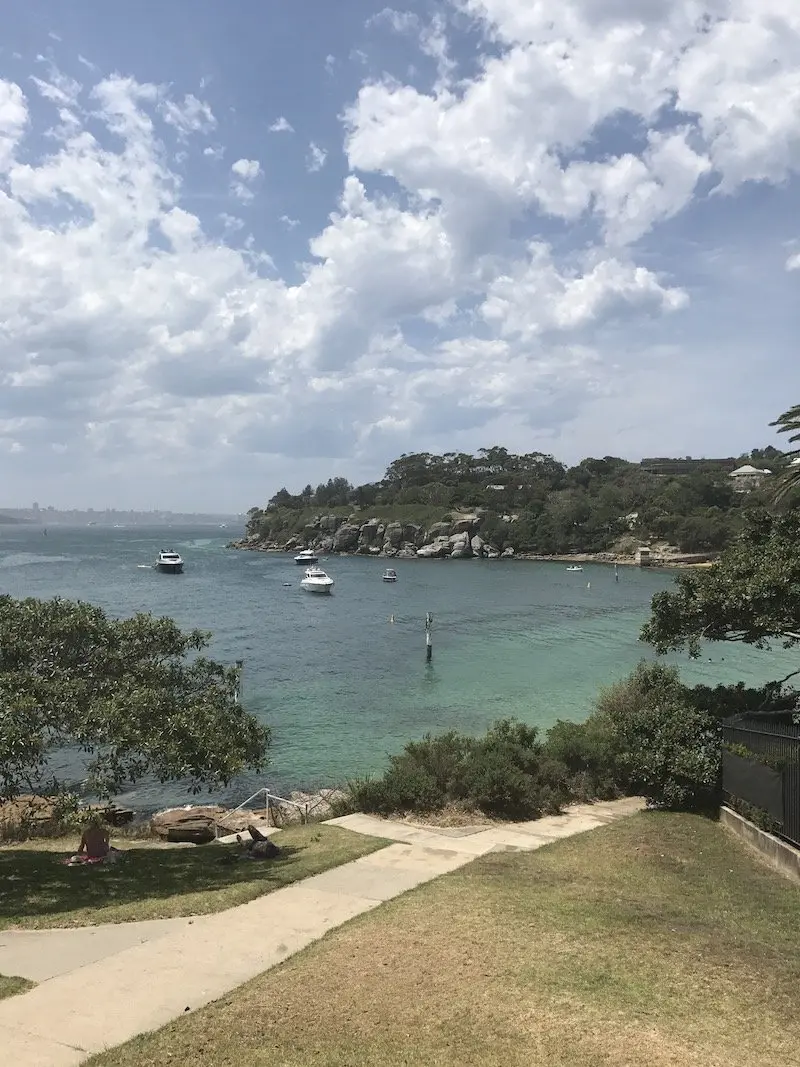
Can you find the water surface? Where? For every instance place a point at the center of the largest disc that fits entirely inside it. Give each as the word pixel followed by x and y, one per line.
pixel 341 685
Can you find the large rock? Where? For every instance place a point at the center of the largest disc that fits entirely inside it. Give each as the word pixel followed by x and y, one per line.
pixel 310 531
pixel 394 534
pixel 369 532
pixel 508 553
pixel 194 824
pixel 412 533
pixel 330 523
pixel 407 551
pixel 477 544
pixel 346 538
pixel 460 546
pixel 463 525
pixel 437 549
pixel 439 529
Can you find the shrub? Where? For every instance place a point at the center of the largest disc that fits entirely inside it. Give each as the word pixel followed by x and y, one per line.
pixel 585 750
pixel 659 743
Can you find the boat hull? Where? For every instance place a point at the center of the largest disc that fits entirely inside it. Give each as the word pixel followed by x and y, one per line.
pixel 320 590
pixel 169 568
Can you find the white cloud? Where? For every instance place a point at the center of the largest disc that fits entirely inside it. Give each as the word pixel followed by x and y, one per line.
pixel 246 169
pixel 317 158
pixel 330 64
pixel 281 125
pixel 398 21
pixel 60 89
pixel 189 116
pixel 214 151
pixel 13 119
pixel 231 222
pixel 502 286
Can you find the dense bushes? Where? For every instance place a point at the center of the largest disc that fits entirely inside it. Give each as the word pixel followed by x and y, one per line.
pixel 648 735
pixel 507 773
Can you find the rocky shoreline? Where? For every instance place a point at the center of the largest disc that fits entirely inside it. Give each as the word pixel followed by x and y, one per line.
pixel 460 538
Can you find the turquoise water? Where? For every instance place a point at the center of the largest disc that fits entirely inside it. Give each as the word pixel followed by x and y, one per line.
pixel 338 683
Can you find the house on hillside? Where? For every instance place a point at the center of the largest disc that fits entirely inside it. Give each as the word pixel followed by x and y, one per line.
pixel 748 477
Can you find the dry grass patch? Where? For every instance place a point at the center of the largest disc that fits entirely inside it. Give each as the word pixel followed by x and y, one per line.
pixel 658 941
pixel 154 881
pixel 9 987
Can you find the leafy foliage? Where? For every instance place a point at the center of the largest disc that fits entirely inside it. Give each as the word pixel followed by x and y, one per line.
pixel 659 742
pixel 506 774
pixel 534 503
pixel 133 694
pixel 752 593
pixel 648 735
pixel 789 483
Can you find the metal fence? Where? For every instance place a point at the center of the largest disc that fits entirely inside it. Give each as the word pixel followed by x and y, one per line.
pixel 774 786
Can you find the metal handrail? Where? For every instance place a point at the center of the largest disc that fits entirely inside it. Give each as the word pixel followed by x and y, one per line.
pixel 268 796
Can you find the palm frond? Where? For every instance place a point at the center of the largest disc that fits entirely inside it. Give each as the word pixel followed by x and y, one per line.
pixel 789 423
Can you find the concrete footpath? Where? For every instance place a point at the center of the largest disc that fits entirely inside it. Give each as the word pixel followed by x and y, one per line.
pixel 100 986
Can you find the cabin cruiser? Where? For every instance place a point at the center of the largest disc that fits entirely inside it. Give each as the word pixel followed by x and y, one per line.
pixel 307 557
pixel 169 562
pixel 315 580
pixel 390 575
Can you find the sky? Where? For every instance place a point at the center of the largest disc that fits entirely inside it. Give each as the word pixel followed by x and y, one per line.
pixel 261 244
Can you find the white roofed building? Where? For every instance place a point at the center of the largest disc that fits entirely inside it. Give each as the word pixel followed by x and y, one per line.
pixel 748 477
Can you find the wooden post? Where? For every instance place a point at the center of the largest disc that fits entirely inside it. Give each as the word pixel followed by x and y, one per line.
pixel 428 637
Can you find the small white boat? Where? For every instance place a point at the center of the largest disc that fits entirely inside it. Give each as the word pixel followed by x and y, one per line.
pixel 315 580
pixel 390 575
pixel 306 557
pixel 574 567
pixel 169 562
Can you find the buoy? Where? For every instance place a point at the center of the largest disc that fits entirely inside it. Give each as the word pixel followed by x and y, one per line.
pixel 588 585
pixel 391 618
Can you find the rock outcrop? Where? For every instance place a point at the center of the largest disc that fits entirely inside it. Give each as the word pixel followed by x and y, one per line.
pixel 346 538
pixel 456 538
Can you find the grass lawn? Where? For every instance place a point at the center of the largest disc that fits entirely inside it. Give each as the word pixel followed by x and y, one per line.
pixel 38 891
pixel 659 941
pixel 10 986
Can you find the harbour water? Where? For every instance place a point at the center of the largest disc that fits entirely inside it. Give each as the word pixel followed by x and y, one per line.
pixel 339 683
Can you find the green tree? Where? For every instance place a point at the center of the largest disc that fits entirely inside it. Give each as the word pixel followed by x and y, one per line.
pixel 134 695
pixel 751 594
pixel 789 423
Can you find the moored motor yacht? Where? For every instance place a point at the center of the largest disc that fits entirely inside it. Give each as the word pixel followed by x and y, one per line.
pixel 315 580
pixel 390 575
pixel 307 556
pixel 169 562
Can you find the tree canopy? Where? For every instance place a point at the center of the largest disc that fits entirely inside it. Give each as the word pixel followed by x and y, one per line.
pixel 134 695
pixel 533 503
pixel 751 594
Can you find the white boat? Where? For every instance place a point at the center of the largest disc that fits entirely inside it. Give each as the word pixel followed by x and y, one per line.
pixel 315 580
pixel 574 567
pixel 306 557
pixel 169 562
pixel 390 575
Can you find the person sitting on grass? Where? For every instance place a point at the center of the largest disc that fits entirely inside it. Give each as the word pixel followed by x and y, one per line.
pixel 259 847
pixel 95 846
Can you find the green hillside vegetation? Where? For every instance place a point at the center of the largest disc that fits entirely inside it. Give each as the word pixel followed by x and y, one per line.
pixel 598 505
